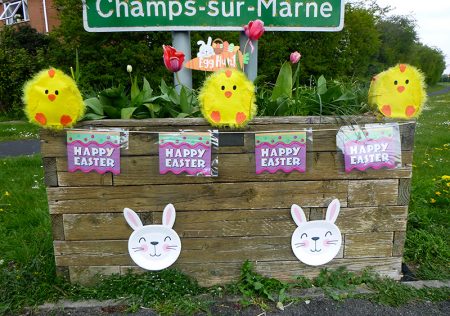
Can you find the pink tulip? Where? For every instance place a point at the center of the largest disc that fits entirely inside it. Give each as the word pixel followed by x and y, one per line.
pixel 295 57
pixel 173 59
pixel 254 29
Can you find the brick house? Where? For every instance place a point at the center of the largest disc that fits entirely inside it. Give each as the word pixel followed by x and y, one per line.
pixel 39 14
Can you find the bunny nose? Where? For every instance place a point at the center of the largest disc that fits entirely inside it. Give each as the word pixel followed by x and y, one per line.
pixel 400 89
pixel 315 238
pixel 52 97
pixel 228 94
pixel 154 243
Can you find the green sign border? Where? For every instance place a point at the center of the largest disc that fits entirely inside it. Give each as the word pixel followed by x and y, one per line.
pixel 169 28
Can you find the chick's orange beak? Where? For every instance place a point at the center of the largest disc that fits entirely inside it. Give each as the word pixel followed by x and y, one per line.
pixel 228 94
pixel 400 89
pixel 52 97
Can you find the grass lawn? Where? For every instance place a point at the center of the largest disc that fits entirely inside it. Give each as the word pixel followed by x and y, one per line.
pixel 18 130
pixel 26 254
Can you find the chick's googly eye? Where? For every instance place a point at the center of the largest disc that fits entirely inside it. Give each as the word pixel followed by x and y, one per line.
pixel 223 87
pixel 234 87
pixel 396 82
pixel 46 91
pixel 407 81
pixel 56 92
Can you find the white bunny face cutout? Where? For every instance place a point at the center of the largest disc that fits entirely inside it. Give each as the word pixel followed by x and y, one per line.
pixel 316 242
pixel 153 247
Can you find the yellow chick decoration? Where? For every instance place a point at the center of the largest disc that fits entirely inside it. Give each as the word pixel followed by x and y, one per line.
pixel 52 100
pixel 227 98
pixel 398 92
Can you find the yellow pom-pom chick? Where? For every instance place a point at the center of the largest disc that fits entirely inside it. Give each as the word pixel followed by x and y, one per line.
pixel 398 92
pixel 227 98
pixel 52 100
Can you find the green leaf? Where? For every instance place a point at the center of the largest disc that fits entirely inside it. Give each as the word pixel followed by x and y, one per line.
pixel 164 88
pixel 173 96
pixel 111 112
pixel 321 85
pixel 148 91
pixel 127 113
pixel 93 116
pixel 258 285
pixel 95 105
pixel 182 115
pixel 134 89
pixel 153 107
pixel 184 104
pixel 283 85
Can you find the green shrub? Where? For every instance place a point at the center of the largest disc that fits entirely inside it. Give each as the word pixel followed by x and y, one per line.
pixel 20 49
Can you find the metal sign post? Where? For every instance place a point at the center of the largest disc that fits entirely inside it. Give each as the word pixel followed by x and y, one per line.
pixel 182 41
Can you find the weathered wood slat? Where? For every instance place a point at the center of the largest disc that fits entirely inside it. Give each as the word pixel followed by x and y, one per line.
pixel 232 223
pixel 216 196
pixel 209 274
pixel 50 173
pixel 404 189
pixel 81 179
pixel 373 192
pixel 360 245
pixel 399 243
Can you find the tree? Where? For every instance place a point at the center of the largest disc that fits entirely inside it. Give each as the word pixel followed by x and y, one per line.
pixel 430 60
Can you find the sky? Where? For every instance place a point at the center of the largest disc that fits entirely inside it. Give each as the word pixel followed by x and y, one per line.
pixel 433 21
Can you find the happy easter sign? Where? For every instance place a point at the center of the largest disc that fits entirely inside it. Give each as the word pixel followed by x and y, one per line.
pixel 93 151
pixel 280 151
pixel 174 15
pixel 188 152
pixel 376 146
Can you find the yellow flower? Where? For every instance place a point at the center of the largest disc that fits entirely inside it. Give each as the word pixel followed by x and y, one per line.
pixel 448 184
pixel 1 210
pixel 438 193
pixel 6 193
pixel 445 178
pixel 433 200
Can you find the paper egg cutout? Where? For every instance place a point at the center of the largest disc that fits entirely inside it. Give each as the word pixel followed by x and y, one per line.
pixel 153 247
pixel 52 100
pixel 316 242
pixel 398 92
pixel 227 99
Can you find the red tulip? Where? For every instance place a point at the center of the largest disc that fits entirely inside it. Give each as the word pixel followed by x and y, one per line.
pixel 254 29
pixel 173 59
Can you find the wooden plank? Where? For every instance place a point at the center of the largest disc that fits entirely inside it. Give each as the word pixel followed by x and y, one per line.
pixel 209 274
pixel 245 223
pixel 372 192
pixel 248 195
pixel 404 190
pixel 372 219
pixel 81 179
pixel 399 243
pixel 361 245
pixel 57 227
pixel 50 176
pixel 91 275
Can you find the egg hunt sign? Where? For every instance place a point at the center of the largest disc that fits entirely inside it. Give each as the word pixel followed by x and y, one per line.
pixel 372 147
pixel 188 152
pixel 175 15
pixel 93 151
pixel 280 151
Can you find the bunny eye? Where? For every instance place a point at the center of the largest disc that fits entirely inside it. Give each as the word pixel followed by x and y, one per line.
pixel 142 238
pixel 303 234
pixel 328 232
pixel 168 237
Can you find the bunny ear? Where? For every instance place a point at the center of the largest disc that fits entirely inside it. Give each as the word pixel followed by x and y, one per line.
pixel 298 215
pixel 169 216
pixel 209 40
pixel 132 218
pixel 333 211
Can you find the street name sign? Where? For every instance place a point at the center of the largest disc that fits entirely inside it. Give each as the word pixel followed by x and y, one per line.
pixel 209 15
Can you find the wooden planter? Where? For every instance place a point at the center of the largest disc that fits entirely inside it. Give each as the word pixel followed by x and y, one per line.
pixel 225 220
